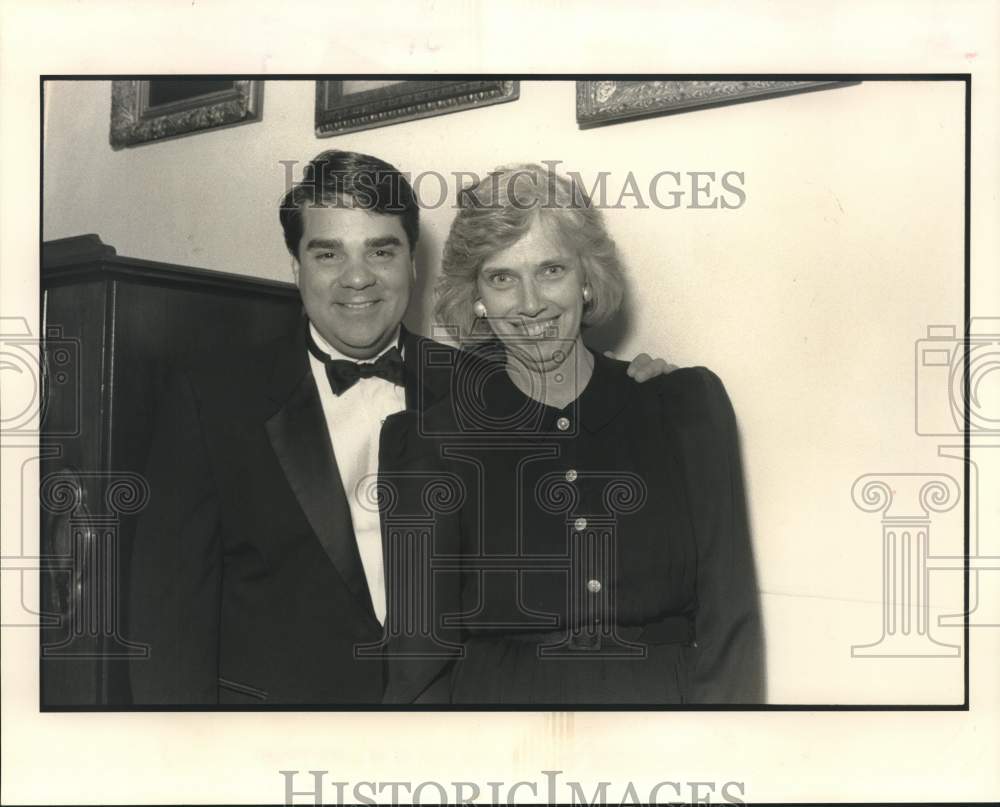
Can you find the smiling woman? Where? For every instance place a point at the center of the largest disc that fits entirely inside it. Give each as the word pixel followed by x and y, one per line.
pixel 604 551
pixel 531 289
pixel 501 209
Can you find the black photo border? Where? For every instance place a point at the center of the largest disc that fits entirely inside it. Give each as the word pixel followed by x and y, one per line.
pixel 964 78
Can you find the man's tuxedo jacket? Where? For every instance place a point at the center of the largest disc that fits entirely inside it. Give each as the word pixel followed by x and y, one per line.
pixel 246 581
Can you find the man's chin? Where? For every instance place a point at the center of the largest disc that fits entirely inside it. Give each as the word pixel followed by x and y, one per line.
pixel 361 345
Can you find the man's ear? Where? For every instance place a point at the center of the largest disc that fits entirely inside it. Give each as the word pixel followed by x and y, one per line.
pixel 295 271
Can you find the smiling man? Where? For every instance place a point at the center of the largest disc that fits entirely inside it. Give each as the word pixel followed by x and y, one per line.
pixel 354 271
pixel 258 566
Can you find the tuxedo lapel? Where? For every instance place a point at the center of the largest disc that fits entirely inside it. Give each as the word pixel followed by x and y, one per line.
pixel 299 437
pixel 427 369
pixel 408 461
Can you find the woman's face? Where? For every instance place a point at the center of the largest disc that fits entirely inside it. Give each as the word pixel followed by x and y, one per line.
pixel 533 293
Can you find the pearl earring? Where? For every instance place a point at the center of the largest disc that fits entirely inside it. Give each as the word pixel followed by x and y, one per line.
pixel 588 295
pixel 479 309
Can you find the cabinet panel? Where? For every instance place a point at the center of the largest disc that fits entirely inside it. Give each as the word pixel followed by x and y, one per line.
pixel 115 326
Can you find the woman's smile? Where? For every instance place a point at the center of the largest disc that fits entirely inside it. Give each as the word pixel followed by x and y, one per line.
pixel 535 328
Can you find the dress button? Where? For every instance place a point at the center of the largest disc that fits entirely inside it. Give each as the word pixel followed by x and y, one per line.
pixel 562 424
pixel 594 586
pixel 580 524
pixel 571 475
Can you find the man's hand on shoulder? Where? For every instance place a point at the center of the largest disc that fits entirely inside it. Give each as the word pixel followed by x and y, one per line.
pixel 643 367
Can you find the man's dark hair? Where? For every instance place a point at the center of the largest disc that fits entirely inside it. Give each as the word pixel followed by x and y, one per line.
pixel 347 178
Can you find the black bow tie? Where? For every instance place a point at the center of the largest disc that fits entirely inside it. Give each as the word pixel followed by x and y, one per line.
pixel 343 374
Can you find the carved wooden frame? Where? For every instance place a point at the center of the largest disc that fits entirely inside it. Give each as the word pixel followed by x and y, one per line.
pixel 133 122
pixel 599 103
pixel 337 113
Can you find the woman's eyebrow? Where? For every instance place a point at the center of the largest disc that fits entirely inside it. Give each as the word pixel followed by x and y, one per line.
pixel 544 262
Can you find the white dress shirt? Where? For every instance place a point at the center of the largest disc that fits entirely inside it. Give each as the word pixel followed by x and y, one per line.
pixel 354 421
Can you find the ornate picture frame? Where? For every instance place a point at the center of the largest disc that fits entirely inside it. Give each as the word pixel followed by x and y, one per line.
pixel 599 103
pixel 353 106
pixel 146 111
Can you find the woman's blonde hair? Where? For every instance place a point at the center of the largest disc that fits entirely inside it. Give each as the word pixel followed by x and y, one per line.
pixel 497 212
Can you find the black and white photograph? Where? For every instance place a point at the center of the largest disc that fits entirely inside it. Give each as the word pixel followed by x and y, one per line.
pixel 582 428
pixel 358 413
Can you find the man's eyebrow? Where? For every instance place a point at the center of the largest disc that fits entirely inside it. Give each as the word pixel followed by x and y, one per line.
pixel 383 241
pixel 325 243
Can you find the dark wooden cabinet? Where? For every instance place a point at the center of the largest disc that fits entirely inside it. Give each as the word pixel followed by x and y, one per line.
pixel 113 326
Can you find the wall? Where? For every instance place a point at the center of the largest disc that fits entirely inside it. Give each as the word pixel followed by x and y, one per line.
pixel 807 300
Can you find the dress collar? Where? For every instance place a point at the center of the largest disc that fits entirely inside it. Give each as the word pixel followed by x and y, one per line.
pixel 608 391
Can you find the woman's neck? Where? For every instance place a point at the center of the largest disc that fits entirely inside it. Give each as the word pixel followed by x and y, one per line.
pixel 555 386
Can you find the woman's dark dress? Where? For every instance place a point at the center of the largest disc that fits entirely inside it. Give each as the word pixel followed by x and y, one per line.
pixel 604 549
